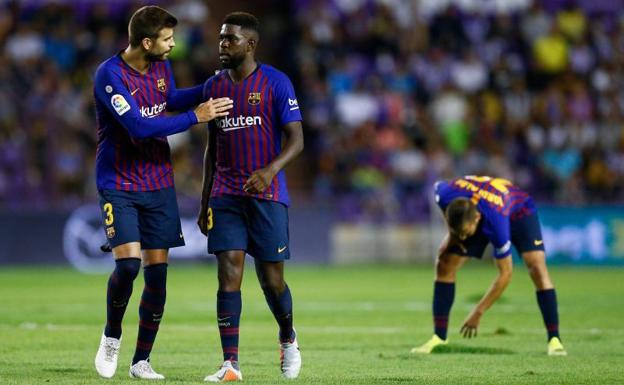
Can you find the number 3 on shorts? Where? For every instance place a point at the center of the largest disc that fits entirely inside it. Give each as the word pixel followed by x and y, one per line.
pixel 108 210
pixel 210 222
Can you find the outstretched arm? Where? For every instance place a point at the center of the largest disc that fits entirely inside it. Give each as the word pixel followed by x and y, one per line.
pixel 470 325
pixel 261 179
pixel 180 99
pixel 113 95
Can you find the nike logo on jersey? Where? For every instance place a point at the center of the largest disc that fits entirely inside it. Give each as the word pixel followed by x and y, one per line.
pixel 134 92
pixel 281 249
pixel 538 242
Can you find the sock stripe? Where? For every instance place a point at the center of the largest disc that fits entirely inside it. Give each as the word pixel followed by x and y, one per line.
pixel 440 322
pixel 144 346
pixel 153 307
pixel 225 331
pixel 149 325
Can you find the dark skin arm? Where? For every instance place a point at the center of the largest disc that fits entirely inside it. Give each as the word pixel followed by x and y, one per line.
pixel 261 179
pixel 209 166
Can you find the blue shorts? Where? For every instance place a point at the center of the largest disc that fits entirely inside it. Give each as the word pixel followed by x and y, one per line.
pixel 259 227
pixel 526 235
pixel 149 217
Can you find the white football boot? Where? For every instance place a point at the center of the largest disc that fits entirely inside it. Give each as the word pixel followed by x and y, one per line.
pixel 143 370
pixel 106 357
pixel 227 372
pixel 290 358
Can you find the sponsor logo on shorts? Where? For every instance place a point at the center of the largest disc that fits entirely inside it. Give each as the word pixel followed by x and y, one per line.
pixel 538 242
pixel 281 249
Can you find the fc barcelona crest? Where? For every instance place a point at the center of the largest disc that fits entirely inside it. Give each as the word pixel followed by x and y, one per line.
pixel 162 86
pixel 254 98
pixel 110 232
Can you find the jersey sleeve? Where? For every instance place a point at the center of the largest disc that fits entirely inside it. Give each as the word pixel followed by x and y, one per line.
pixel 497 231
pixel 285 100
pixel 182 99
pixel 111 93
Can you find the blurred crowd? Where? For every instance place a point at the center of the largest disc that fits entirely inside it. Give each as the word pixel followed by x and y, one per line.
pixel 50 51
pixel 398 95
pixel 395 94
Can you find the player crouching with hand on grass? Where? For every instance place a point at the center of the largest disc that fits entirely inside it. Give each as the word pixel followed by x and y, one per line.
pixel 480 210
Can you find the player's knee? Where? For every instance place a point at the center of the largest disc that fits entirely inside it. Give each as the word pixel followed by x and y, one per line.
pixel 230 278
pixel 274 286
pixel 128 269
pixel 444 270
pixel 540 276
pixel 536 267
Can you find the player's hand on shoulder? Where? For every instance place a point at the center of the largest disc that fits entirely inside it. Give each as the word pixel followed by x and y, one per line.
pixel 213 108
pixel 259 181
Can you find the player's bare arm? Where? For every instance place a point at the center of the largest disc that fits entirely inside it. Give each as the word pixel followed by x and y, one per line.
pixel 471 323
pixel 213 108
pixel 209 166
pixel 261 178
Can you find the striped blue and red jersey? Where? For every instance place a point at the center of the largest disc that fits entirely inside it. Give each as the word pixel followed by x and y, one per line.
pixel 132 150
pixel 250 137
pixel 498 201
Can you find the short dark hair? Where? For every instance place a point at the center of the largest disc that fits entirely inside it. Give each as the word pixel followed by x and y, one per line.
pixel 459 212
pixel 244 20
pixel 147 22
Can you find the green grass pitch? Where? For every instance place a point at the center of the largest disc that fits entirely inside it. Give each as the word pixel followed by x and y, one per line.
pixel 356 325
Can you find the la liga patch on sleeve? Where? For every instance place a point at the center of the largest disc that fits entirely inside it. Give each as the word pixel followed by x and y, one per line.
pixel 120 104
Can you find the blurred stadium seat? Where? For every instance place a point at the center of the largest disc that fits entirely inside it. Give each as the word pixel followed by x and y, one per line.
pixel 395 95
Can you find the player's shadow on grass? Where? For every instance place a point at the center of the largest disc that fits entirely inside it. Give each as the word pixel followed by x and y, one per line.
pixel 464 349
pixel 61 370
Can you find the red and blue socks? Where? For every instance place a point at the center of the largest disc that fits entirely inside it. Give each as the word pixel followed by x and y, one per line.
pixel 118 294
pixel 151 309
pixel 547 301
pixel 443 296
pixel 229 307
pixel 281 307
